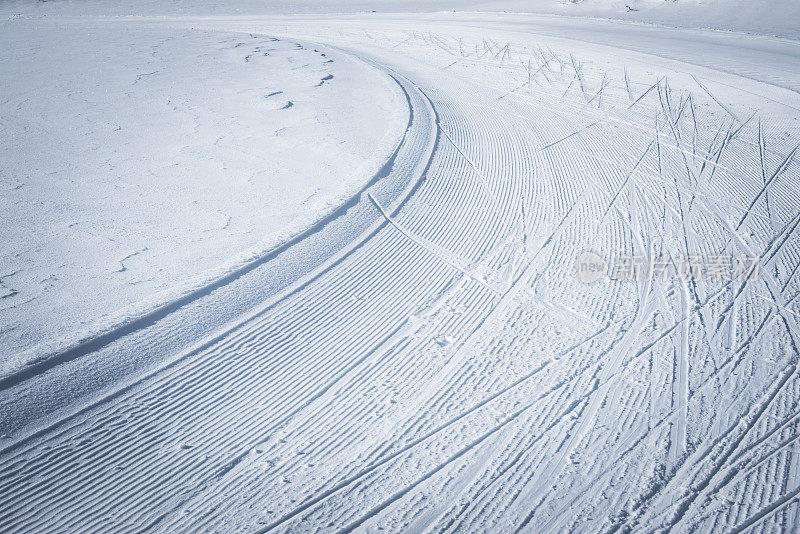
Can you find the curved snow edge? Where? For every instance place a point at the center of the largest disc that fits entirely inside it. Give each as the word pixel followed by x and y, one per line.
pixel 53 390
pixel 108 324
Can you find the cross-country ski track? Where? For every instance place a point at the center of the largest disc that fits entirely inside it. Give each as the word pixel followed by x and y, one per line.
pixel 442 369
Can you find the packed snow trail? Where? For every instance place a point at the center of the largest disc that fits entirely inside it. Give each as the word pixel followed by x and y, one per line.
pixel 449 371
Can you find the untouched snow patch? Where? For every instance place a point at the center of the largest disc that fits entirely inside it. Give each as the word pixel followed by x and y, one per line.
pixel 139 162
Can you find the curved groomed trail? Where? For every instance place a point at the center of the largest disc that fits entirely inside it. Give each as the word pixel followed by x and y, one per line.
pixel 447 371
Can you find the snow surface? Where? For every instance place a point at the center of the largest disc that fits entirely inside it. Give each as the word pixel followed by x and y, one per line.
pixel 139 170
pixel 426 358
pixel 768 17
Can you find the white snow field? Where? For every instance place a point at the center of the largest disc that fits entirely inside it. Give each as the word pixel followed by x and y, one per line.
pixel 140 170
pixel 428 356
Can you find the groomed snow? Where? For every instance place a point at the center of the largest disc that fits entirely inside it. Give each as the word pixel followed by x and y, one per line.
pixel 139 163
pixel 434 356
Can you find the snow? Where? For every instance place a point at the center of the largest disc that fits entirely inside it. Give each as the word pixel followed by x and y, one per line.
pixel 426 356
pixel 141 169
pixel 767 17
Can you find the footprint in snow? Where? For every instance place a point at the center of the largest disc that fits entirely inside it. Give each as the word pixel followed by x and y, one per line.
pixel 443 340
pixel 325 79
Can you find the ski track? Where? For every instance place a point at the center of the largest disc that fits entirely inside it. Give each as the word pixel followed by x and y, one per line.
pixel 449 372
